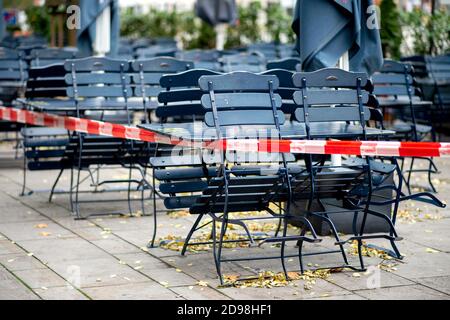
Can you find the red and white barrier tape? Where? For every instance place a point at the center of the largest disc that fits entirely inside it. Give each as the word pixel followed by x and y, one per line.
pixel 367 148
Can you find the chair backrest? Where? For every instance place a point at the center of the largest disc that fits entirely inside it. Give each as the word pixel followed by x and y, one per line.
pixel 47 56
pixel 46 82
pixel 203 59
pixel 241 98
pixel 182 94
pixel 250 62
pixel 394 80
pixel 333 95
pixel 439 68
pixel 98 78
pixel 285 64
pixel 286 89
pixel 147 73
pixel 155 51
pixel 13 73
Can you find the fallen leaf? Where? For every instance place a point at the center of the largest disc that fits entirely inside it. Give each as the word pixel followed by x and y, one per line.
pixel 41 226
pixel 429 250
pixel 45 234
pixel 202 283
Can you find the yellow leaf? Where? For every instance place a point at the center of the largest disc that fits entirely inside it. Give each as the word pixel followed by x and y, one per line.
pixel 45 234
pixel 429 250
pixel 202 283
pixel 41 226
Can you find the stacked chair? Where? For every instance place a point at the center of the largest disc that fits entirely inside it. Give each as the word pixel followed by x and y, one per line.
pixel 218 184
pixel 396 88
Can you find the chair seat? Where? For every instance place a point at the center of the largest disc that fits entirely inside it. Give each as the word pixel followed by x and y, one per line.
pixel 403 127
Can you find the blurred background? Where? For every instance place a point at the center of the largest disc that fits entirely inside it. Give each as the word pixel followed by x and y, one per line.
pixel 408 27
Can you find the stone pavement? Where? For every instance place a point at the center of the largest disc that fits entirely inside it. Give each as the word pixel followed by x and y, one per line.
pixel 46 254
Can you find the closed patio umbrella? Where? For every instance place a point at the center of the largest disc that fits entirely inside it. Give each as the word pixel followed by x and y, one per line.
pixel 217 13
pixel 2 22
pixel 100 27
pixel 328 29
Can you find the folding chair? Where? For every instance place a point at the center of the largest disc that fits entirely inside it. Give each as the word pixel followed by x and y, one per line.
pixel 203 59
pixel 395 83
pixel 44 147
pixel 333 96
pixel 250 62
pixel 13 76
pixel 47 56
pixel 100 88
pixel 290 64
pixel 180 100
pixel 248 101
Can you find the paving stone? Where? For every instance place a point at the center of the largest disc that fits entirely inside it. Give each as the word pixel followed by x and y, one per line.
pixel 38 278
pixel 7 247
pixel 374 277
pixel 60 293
pixel 439 283
pixel 414 292
pixel 18 213
pixel 96 272
pixel 20 261
pixel 19 231
pixel 418 262
pixel 199 293
pixel 114 245
pixel 321 287
pixel 137 291
pixel 12 289
pixel 63 249
pixel 338 297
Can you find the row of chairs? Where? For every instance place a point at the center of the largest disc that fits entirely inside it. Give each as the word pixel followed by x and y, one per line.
pixel 433 73
pixel 220 185
pixel 279 102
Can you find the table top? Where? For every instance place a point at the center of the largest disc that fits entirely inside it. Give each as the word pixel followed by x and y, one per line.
pixel 198 131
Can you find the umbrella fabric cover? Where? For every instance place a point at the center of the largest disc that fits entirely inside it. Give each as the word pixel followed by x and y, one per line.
pixel 215 12
pixel 326 29
pixel 90 10
pixel 2 22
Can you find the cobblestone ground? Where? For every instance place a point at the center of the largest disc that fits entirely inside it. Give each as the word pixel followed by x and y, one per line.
pixel 46 254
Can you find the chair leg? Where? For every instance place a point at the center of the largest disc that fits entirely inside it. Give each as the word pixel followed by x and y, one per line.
pixel 430 171
pixel 300 250
pixel 408 180
pixel 190 234
pixel 283 250
pixel 130 173
pixel 155 218
pixel 71 190
pixel 77 191
pixel 223 231
pixel 52 191
pixel 216 261
pixel 24 181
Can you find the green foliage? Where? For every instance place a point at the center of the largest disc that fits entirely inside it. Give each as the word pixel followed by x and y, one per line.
pixel 431 34
pixel 391 32
pixel 38 20
pixel 195 33
pixel 279 23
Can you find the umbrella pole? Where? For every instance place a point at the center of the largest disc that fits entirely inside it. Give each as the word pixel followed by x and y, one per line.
pixel 221 32
pixel 102 42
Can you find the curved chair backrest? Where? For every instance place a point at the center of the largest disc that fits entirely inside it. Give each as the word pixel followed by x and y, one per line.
pixel 285 64
pixel 321 98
